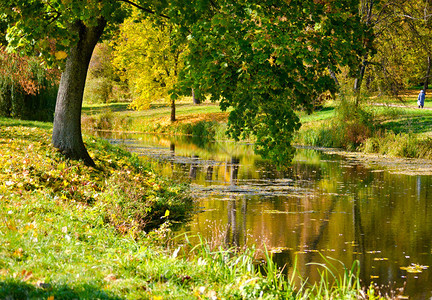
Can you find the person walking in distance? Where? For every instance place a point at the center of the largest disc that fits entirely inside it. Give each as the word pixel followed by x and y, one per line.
pixel 421 98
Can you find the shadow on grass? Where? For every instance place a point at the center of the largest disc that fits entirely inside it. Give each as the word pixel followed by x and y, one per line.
pixel 22 290
pixel 325 109
pixel 112 107
pixel 16 122
pixel 420 124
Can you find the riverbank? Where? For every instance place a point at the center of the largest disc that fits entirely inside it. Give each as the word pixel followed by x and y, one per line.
pixel 386 129
pixel 392 128
pixel 205 120
pixel 69 231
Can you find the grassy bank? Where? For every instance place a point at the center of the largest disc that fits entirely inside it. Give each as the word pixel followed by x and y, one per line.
pixel 203 120
pixel 384 126
pixel 72 232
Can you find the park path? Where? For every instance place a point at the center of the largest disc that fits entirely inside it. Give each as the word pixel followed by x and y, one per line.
pixel 401 105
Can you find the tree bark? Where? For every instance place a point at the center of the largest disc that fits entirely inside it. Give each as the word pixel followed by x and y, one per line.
pixel 67 119
pixel 173 111
pixel 365 10
pixel 195 99
pixel 358 81
pixel 426 82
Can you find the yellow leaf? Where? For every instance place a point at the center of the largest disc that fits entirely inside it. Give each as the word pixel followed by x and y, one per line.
pixel 50 298
pixel 60 55
pixel 18 253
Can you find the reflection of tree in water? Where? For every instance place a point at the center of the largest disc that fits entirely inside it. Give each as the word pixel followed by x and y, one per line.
pixel 209 173
pixel 359 237
pixel 172 149
pixel 194 168
pixel 234 230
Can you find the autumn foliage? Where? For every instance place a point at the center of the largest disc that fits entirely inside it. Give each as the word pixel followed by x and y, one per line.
pixel 26 86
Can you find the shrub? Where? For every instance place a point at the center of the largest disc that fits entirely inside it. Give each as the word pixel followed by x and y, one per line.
pixel 27 89
pixel 353 125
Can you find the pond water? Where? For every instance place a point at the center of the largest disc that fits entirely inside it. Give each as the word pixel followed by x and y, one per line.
pixel 321 205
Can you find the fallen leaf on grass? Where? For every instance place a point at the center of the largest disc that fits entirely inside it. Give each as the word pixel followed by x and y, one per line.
pixel 26 275
pixel 18 253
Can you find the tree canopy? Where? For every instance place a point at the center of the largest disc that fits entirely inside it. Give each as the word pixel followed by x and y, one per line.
pixel 147 60
pixel 262 58
pixel 265 59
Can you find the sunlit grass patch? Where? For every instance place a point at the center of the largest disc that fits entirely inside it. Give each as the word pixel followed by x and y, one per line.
pixel 157 119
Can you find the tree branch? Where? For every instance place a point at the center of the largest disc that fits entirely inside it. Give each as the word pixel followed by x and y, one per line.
pixel 214 4
pixel 143 8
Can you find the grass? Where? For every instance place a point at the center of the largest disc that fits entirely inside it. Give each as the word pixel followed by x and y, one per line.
pixel 393 129
pixel 72 232
pixel 205 122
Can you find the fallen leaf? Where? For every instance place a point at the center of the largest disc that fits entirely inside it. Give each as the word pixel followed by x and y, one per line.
pixel 414 268
pixel 60 55
pixel 26 275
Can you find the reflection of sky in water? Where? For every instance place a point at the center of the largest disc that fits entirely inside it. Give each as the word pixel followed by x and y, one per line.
pixel 320 204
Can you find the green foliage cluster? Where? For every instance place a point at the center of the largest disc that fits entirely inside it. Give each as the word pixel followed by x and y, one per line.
pixel 210 123
pixel 145 56
pixel 266 60
pixel 202 129
pixel 399 145
pixel 392 131
pixel 106 120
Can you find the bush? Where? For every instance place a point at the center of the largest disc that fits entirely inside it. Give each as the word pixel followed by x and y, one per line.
pixel 27 89
pixel 352 127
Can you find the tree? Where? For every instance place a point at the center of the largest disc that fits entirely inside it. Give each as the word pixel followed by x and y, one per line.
pixel 63 29
pixel 366 13
pixel 148 61
pixel 263 58
pixel 416 18
pixel 403 31
pixel 27 87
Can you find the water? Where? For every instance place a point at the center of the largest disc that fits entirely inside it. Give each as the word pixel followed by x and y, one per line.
pixel 321 205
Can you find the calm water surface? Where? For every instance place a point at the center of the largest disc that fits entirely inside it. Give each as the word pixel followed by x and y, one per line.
pixel 321 204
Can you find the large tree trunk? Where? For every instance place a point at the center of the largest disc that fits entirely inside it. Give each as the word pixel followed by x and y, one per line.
pixel 67 120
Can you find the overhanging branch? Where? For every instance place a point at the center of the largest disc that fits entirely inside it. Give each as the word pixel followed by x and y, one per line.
pixel 143 8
